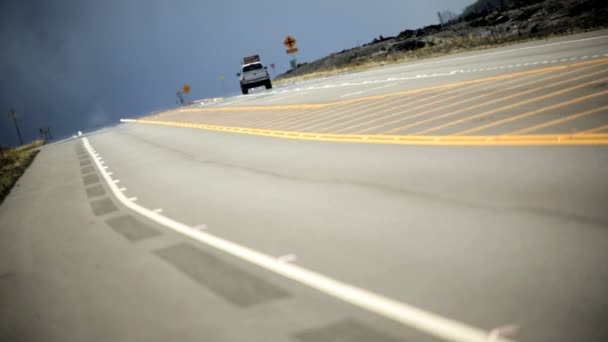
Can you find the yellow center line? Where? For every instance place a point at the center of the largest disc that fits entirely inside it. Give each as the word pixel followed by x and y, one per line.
pixel 210 114
pixel 456 91
pixel 534 80
pixel 273 115
pixel 214 121
pixel 310 116
pixel 217 110
pixel 468 140
pixel 594 130
pixel 558 121
pixel 337 113
pixel 314 115
pixel 534 112
pixel 317 115
pixel 248 118
pixel 357 114
pixel 253 117
pixel 458 94
pixel 500 99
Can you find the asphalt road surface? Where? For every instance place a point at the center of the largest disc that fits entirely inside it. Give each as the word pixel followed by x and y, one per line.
pixel 165 232
pixel 557 86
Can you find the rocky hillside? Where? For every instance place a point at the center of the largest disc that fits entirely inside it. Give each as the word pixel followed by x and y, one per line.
pixel 483 24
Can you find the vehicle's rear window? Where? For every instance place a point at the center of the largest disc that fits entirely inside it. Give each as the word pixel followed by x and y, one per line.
pixel 252 67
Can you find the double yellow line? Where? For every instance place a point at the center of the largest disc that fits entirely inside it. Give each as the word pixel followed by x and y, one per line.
pixel 590 137
pixel 499 140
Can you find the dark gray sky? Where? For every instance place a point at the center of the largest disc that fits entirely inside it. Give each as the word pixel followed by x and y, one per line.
pixel 81 64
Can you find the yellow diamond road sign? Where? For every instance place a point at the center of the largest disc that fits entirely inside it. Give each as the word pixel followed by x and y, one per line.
pixel 289 42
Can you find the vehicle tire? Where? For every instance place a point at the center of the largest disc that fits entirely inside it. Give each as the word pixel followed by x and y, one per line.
pixel 245 90
pixel 268 85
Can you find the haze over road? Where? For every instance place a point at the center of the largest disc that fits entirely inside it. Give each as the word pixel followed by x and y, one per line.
pixel 181 227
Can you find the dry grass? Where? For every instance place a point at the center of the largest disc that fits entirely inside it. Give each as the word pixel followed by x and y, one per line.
pixel 31 146
pixel 13 162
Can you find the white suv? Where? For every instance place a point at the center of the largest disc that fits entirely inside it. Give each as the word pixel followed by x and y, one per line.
pixel 254 75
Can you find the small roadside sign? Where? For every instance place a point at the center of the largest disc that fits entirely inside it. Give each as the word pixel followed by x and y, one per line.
pixel 289 42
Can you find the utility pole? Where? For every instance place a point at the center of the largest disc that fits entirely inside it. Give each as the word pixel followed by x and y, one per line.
pixel 13 116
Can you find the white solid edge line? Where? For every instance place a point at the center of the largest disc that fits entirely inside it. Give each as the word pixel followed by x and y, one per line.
pixel 427 322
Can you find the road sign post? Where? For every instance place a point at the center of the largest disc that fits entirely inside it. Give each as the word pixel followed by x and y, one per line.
pixel 290 44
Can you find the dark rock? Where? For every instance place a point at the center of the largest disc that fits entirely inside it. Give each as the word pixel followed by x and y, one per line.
pixel 381 39
pixel 534 28
pixel 406 34
pixel 408 45
pixel 500 20
pixel 525 14
pixel 431 29
pixel 479 22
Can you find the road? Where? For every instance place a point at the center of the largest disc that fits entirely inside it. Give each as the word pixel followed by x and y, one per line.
pixel 155 232
pixel 552 87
